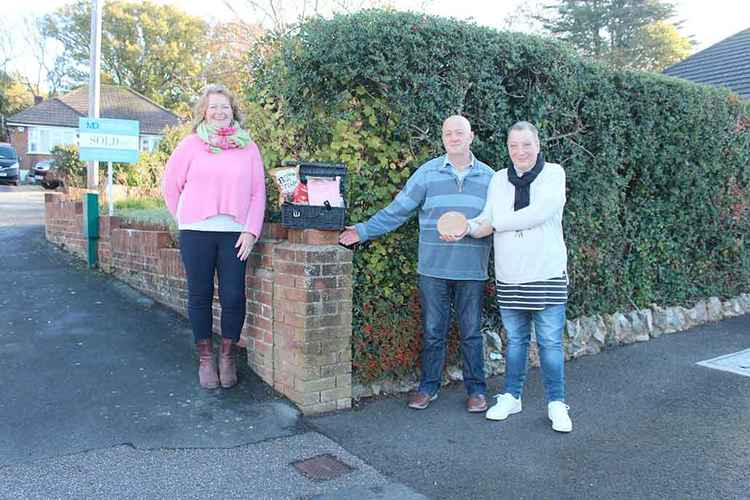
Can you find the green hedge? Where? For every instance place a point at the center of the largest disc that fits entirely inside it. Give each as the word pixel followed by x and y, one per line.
pixel 657 168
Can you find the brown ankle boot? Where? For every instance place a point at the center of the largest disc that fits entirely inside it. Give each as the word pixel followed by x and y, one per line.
pixel 207 365
pixel 227 365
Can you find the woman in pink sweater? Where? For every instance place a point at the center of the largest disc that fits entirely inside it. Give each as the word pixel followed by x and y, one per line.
pixel 214 187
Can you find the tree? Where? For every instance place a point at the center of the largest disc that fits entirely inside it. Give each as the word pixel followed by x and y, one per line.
pixel 229 44
pixel 156 50
pixel 279 16
pixel 664 46
pixel 37 41
pixel 14 96
pixel 524 17
pixel 625 33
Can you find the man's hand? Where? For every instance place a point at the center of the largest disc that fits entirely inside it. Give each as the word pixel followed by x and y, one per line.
pixel 245 243
pixel 454 237
pixel 349 236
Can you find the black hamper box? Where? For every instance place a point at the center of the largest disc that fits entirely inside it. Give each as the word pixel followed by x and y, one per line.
pixel 314 217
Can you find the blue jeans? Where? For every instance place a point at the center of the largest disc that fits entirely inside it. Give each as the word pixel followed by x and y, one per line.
pixel 549 324
pixel 467 297
pixel 204 254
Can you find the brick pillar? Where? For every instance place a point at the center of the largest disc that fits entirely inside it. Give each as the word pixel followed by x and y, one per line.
pixel 312 321
pixel 258 334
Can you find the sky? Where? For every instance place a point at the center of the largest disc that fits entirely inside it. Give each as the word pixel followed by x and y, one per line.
pixel 707 22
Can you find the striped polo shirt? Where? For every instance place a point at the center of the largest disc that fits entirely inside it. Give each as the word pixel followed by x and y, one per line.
pixel 432 190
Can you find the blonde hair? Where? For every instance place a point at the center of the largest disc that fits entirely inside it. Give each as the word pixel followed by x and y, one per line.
pixel 199 110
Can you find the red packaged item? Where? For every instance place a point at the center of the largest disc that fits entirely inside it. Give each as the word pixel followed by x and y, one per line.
pixel 299 195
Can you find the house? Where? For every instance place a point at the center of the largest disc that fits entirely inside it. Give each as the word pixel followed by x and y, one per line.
pixel 725 64
pixel 36 130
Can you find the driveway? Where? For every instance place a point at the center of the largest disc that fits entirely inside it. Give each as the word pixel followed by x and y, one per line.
pixel 21 205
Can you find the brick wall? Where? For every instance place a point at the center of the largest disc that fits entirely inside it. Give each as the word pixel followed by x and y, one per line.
pixel 63 219
pixel 299 297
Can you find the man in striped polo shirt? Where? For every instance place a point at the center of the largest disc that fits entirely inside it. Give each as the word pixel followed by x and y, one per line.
pixel 449 273
pixel 524 210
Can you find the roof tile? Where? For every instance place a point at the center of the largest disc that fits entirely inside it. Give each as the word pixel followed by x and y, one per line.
pixel 726 64
pixel 116 102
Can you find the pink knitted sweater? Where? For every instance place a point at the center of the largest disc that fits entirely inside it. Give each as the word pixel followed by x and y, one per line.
pixel 231 182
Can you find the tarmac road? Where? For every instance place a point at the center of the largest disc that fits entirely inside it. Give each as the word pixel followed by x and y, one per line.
pixel 99 395
pixel 98 399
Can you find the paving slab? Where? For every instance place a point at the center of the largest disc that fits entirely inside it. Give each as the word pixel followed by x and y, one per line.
pixel 259 471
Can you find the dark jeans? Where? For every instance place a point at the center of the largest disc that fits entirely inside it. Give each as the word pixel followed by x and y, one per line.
pixel 467 297
pixel 205 253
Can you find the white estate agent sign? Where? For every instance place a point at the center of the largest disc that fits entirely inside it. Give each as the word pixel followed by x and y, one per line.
pixel 105 139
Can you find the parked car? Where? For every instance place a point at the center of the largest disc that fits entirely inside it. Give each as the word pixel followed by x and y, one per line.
pixel 39 172
pixel 53 177
pixel 8 164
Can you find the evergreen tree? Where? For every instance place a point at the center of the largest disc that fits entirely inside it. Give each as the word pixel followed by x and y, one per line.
pixel 626 33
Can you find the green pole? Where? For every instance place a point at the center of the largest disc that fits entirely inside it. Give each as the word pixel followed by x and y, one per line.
pixel 91 226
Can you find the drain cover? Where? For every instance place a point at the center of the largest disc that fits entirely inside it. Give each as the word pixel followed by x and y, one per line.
pixel 322 467
pixel 737 362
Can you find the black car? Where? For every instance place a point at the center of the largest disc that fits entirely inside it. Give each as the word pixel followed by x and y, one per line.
pixel 8 164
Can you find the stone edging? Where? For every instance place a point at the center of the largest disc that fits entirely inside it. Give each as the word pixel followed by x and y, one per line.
pixel 586 336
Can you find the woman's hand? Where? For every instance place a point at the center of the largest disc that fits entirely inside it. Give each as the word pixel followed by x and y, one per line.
pixel 245 243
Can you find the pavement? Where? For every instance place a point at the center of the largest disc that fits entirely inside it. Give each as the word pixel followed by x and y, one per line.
pixel 99 399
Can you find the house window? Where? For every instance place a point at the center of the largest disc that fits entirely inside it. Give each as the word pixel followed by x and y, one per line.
pixel 149 142
pixel 43 139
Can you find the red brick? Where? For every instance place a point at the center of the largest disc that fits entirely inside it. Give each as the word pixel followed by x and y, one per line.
pixel 313 237
pixel 290 268
pixel 318 256
pixel 285 254
pixel 295 294
pixel 323 283
pixel 285 280
pixel 273 231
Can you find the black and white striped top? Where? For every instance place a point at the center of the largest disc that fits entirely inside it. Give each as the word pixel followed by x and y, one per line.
pixel 532 296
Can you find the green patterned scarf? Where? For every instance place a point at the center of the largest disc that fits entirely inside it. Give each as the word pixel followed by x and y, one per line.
pixel 222 138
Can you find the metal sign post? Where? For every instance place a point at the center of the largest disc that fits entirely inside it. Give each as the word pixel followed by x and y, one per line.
pixel 109 189
pixel 104 139
pixel 95 64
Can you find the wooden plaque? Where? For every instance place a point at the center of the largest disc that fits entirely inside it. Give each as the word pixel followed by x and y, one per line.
pixel 452 224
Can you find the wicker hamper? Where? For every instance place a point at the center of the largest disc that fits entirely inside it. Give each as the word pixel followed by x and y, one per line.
pixel 315 217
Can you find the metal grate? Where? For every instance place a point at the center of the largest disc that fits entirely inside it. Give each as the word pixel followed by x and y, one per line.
pixel 738 362
pixel 322 467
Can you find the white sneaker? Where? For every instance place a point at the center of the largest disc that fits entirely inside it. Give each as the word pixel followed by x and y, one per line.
pixel 557 411
pixel 506 405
